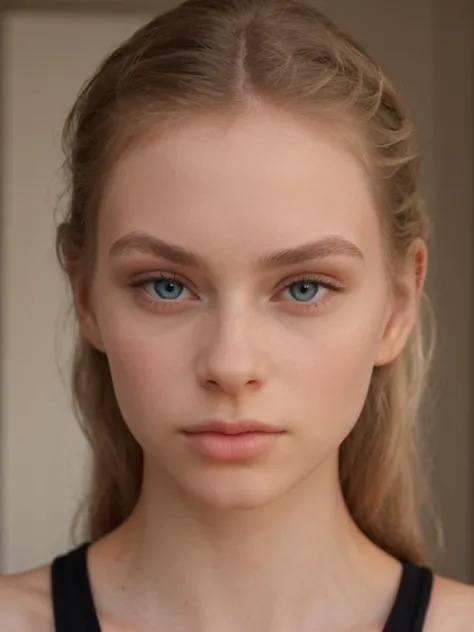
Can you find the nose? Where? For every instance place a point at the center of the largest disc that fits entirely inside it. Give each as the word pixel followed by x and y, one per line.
pixel 230 360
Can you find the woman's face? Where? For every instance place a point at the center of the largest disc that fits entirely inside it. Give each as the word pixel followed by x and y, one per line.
pixel 240 276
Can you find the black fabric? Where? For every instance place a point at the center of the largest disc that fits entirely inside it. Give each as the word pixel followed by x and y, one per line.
pixel 412 601
pixel 73 604
pixel 74 610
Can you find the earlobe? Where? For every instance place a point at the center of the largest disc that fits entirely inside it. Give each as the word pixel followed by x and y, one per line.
pixel 85 313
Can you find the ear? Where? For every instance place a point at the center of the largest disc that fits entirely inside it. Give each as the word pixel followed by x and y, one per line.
pixel 83 303
pixel 405 303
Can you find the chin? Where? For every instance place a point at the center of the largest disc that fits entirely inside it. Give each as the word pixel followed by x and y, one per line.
pixel 237 490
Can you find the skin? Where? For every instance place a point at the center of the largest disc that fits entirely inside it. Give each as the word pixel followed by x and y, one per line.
pixel 265 545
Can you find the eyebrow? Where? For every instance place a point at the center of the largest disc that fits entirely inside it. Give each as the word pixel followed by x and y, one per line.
pixel 144 243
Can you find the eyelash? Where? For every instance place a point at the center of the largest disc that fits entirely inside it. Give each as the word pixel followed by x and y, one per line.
pixel 160 304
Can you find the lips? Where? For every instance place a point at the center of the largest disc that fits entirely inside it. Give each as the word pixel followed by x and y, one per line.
pixel 233 427
pixel 232 441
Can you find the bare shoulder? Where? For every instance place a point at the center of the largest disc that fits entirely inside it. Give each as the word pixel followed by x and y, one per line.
pixel 25 601
pixel 451 608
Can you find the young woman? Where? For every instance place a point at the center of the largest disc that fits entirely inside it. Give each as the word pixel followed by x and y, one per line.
pixel 246 247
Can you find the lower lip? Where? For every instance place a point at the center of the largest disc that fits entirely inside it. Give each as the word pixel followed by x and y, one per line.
pixel 226 447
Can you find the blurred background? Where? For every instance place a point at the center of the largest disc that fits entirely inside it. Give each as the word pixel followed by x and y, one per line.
pixel 48 49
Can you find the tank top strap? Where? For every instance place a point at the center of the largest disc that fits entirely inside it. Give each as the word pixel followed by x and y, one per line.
pixel 73 604
pixel 411 604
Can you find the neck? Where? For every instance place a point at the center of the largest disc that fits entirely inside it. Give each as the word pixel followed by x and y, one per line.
pixel 297 563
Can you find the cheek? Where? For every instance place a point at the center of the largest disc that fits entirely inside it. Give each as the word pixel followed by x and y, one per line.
pixel 147 367
pixel 330 375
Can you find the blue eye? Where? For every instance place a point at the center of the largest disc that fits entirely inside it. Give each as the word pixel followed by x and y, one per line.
pixel 167 289
pixel 304 290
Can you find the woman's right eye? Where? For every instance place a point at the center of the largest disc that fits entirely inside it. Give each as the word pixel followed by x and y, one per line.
pixel 165 289
pixel 162 290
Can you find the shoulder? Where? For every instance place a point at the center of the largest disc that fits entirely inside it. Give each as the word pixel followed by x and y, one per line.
pixel 451 607
pixel 25 602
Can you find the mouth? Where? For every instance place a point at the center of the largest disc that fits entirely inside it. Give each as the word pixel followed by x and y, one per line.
pixel 233 427
pixel 232 441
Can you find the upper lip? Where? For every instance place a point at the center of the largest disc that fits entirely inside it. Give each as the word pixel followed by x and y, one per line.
pixel 232 427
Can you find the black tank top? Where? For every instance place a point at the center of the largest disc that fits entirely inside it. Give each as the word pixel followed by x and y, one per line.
pixel 74 610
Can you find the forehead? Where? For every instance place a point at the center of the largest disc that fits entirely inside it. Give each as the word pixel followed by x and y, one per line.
pixel 259 181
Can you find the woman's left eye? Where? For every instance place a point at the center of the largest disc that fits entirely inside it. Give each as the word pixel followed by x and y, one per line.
pixel 309 292
pixel 305 290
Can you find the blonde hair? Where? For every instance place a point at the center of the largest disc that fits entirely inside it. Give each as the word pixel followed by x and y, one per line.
pixel 220 56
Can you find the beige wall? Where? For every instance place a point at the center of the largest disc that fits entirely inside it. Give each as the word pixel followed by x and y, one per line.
pixel 454 280
pixel 42 452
